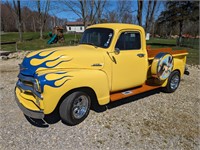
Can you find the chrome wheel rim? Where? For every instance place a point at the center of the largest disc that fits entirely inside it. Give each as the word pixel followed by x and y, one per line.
pixel 80 106
pixel 174 82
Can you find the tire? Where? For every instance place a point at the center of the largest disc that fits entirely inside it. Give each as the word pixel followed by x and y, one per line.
pixel 75 108
pixel 173 82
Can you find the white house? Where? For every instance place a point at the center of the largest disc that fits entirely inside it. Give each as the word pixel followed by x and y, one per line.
pixel 75 27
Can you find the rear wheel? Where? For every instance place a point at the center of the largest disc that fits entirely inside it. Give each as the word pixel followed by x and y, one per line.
pixel 75 108
pixel 173 82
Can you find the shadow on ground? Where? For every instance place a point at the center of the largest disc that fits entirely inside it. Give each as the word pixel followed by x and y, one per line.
pixel 52 118
pixel 55 117
pixel 132 99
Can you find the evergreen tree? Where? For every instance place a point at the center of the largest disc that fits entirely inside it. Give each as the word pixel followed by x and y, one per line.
pixel 177 12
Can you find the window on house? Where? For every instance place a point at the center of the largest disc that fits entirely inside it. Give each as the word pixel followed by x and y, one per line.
pixel 69 28
pixel 80 28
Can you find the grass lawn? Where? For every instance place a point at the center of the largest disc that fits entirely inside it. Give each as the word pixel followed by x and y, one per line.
pixel 13 36
pixel 192 58
pixel 32 42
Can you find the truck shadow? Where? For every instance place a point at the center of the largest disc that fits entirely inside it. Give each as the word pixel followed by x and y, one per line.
pixel 98 109
pixel 37 122
pixel 54 117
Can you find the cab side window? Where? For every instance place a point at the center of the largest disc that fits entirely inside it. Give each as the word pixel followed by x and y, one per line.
pixel 129 41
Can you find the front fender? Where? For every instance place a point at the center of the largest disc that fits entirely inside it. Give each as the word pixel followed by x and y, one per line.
pixel 72 79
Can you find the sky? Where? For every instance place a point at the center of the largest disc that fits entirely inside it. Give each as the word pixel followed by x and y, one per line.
pixel 58 10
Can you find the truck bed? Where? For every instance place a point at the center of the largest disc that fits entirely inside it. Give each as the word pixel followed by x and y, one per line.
pixel 153 52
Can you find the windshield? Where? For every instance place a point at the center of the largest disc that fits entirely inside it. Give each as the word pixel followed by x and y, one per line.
pixel 100 37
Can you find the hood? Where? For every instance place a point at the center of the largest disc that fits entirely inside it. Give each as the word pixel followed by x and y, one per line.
pixel 72 57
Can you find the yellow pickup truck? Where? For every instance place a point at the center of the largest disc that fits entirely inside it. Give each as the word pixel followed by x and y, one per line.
pixel 110 63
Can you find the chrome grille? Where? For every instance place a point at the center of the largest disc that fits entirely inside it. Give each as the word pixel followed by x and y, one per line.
pixel 26 84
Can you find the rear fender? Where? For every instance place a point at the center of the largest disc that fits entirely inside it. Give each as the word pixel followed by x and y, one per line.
pixel 179 64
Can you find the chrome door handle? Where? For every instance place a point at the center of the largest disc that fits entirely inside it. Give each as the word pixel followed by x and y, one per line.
pixel 140 55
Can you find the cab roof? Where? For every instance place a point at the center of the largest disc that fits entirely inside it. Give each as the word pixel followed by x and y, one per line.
pixel 116 26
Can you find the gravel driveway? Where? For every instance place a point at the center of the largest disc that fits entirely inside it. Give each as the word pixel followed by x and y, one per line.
pixel 153 120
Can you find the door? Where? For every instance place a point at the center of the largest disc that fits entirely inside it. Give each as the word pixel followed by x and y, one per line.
pixel 131 64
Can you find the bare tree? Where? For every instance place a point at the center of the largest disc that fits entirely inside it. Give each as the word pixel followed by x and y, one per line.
pixel 78 7
pixel 139 12
pixel 30 19
pixel 147 15
pixel 95 10
pixel 8 17
pixel 150 14
pixel 34 24
pixel 122 13
pixel 88 11
pixel 27 21
pixel 17 9
pixel 111 16
pixel 43 14
pixel 91 11
pixel 99 9
pixel 84 11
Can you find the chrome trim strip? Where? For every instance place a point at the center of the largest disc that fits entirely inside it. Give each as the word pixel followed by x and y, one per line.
pixel 25 78
pixel 96 65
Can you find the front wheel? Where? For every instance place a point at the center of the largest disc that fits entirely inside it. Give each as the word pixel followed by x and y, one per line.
pixel 173 82
pixel 75 108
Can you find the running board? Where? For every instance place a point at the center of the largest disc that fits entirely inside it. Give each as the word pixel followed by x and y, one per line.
pixel 131 92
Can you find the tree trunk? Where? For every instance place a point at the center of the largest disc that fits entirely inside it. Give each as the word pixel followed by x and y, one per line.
pixel 19 21
pixel 150 15
pixel 24 26
pixel 40 18
pixel 41 32
pixel 91 11
pixel 43 14
pixel 54 21
pixel 99 12
pixel 2 24
pixel 34 28
pixel 139 14
pixel 147 16
pixel 151 19
pixel 83 7
pixel 153 29
pixel 180 32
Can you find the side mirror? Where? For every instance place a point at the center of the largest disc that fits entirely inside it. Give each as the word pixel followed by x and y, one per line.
pixel 117 51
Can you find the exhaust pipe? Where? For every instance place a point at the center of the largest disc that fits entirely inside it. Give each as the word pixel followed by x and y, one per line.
pixel 186 72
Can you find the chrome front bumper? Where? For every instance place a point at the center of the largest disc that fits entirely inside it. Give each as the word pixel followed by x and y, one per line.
pixel 30 113
pixel 25 85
